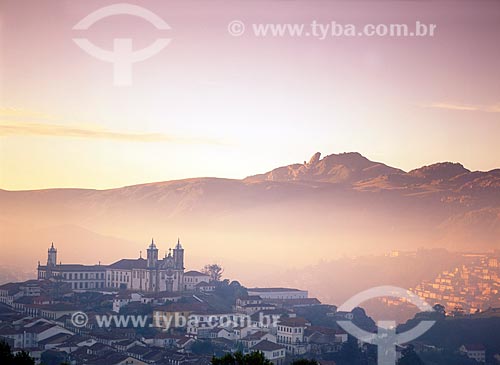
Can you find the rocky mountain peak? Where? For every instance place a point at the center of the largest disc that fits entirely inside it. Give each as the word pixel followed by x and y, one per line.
pixel 315 158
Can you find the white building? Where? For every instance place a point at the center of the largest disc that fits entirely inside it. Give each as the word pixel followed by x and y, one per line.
pixel 290 334
pixel 193 278
pixel 147 275
pixel 80 277
pixel 475 351
pixel 272 351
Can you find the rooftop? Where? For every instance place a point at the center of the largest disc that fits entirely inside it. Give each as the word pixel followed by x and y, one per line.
pixel 267 290
pixel 266 345
pixel 194 273
pixel 128 264
pixel 74 267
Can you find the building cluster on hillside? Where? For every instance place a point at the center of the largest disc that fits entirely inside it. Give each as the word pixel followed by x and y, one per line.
pixel 472 287
pixel 182 311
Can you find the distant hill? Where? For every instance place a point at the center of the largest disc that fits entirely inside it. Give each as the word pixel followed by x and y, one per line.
pixel 293 215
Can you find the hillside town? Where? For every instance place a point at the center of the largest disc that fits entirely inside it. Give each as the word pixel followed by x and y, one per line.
pixel 152 311
pixel 170 316
pixel 472 287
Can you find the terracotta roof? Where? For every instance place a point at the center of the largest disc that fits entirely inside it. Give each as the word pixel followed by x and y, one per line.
pixel 293 322
pixel 474 347
pixel 267 290
pixel 194 273
pixel 202 284
pixel 129 264
pixel 259 305
pixel 11 288
pixel 250 297
pixel 298 301
pixel 181 307
pixel 75 267
pixel 266 345
pixel 254 336
pixel 56 339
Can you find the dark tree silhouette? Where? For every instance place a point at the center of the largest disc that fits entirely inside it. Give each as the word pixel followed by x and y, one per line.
pixel 214 271
pixel 410 357
pixel 7 358
pixel 254 358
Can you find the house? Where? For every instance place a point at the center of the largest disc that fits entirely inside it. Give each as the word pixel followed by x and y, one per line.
pixel 205 287
pixel 10 292
pixel 220 332
pixel 127 344
pixel 116 359
pixel 254 308
pixel 272 351
pixel 201 323
pixel 295 303
pixel 165 340
pixel 53 341
pixel 268 319
pixel 193 278
pixel 56 311
pixel 278 293
pixel 243 331
pixel 290 334
pixel 29 335
pixel 323 339
pixel 160 298
pixel 254 338
pixel 175 314
pixel 123 299
pixel 184 344
pixel 474 351
pixel 248 299
pixel 74 343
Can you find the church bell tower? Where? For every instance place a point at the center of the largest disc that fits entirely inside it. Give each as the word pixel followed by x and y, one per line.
pixel 179 256
pixel 52 256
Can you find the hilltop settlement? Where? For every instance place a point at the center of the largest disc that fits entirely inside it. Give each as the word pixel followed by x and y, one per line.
pixel 152 311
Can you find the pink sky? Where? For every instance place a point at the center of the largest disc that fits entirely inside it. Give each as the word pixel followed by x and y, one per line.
pixel 211 104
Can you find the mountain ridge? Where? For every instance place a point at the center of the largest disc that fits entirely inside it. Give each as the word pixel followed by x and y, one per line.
pixel 313 162
pixel 335 205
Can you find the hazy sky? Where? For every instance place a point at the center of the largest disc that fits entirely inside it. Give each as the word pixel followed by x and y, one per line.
pixel 211 104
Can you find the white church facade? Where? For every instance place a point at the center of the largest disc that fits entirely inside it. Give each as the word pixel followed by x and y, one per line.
pixel 147 275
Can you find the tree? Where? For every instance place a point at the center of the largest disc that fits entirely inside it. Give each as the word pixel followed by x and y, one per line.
pixel 5 353
pixel 21 358
pixel 440 309
pixel 51 357
pixel 214 271
pixel 254 358
pixel 350 352
pixel 410 357
pixel 202 348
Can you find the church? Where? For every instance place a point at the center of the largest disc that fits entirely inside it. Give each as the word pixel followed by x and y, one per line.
pixel 147 275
